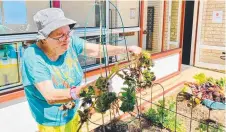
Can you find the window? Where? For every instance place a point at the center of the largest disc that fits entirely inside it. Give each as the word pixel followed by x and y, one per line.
pixel 10 54
pixel 86 13
pixel 154 26
pixel 173 25
pixel 156 40
pixel 129 14
pixel 87 62
pixel 17 16
pixel 123 39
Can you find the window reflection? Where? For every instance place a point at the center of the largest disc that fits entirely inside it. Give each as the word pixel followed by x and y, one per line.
pixel 86 13
pixel 86 62
pixel 129 14
pixel 9 63
pixel 123 39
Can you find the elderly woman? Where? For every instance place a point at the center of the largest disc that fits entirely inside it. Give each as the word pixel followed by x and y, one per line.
pixel 50 68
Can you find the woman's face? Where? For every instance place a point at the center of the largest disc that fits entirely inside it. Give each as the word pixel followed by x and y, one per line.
pixel 58 40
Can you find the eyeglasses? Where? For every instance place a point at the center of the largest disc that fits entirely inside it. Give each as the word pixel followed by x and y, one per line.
pixel 63 37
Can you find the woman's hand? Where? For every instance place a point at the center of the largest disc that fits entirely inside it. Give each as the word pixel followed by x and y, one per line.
pixel 135 49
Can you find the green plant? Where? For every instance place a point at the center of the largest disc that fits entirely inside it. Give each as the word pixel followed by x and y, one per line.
pixel 104 101
pixel 128 99
pixel 200 78
pixel 221 83
pixel 206 88
pixel 138 75
pixel 165 117
pixel 203 128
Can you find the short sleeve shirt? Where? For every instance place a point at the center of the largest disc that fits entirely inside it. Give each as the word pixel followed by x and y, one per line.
pixel 64 73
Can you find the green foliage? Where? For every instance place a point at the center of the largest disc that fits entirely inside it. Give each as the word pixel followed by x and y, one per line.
pixel 148 78
pixel 200 78
pixel 114 70
pixel 221 82
pixel 128 99
pixel 132 79
pixel 103 102
pixel 101 83
pixel 145 60
pixel 203 128
pixel 87 93
pixel 165 117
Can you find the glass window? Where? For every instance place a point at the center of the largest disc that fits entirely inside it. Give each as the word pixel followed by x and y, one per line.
pixel 172 28
pixel 17 16
pixel 87 62
pixel 129 14
pixel 153 26
pixel 86 13
pixel 122 39
pixel 9 64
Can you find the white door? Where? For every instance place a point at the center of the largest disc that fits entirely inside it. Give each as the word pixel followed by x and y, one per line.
pixel 211 34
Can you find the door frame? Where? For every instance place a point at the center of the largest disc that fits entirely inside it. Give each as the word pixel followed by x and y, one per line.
pixel 200 45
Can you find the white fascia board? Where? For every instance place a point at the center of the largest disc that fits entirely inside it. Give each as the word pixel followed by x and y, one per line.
pixel 78 32
pixel 15 38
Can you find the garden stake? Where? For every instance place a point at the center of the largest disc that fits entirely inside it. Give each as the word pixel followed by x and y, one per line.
pixel 87 126
pixel 209 116
pixel 103 121
pixel 191 114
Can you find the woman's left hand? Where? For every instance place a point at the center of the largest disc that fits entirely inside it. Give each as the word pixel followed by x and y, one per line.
pixel 135 49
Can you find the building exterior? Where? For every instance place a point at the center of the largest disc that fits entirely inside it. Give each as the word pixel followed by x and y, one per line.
pixel 158 26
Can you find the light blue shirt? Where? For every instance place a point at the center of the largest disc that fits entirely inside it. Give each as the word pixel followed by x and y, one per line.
pixel 66 71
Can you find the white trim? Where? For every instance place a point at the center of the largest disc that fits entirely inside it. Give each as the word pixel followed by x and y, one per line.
pixel 173 43
pixel 212 47
pixel 107 26
pixel 199 32
pixel 179 21
pixel 135 29
pixel 161 25
pixel 15 38
pixel 169 23
pixel 93 67
pixel 78 32
pixel 210 66
pixel 96 31
pixel 194 32
pixel 10 87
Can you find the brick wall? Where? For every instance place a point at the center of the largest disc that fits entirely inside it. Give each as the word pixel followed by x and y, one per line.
pixel 166 26
pixel 213 33
pixel 211 56
pixel 174 21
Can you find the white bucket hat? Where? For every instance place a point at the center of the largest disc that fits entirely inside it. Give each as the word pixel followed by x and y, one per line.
pixel 48 20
